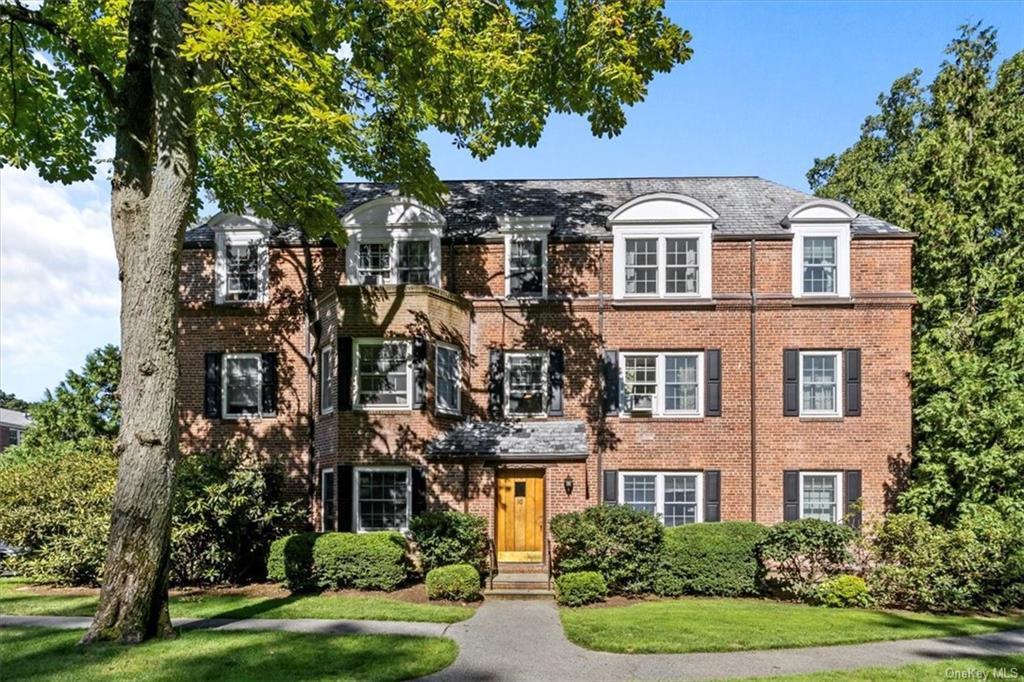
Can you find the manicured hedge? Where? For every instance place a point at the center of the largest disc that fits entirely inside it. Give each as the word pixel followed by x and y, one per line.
pixel 459 582
pixel 444 538
pixel 716 559
pixel 795 556
pixel 367 561
pixel 578 589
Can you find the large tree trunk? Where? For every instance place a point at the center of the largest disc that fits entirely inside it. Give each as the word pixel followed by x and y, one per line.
pixel 152 197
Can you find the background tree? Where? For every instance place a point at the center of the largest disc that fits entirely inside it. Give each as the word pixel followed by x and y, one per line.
pixel 83 405
pixel 13 402
pixel 947 161
pixel 264 104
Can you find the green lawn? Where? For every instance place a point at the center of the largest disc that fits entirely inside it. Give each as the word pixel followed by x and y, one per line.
pixel 44 654
pixel 954 669
pixel 686 625
pixel 24 602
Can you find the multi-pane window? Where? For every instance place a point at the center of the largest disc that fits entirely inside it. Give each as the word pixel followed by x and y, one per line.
pixel 819 496
pixel 640 380
pixel 382 498
pixel 242 270
pixel 641 266
pixel 374 263
pixel 526 266
pixel 681 266
pixel 527 383
pixel 383 378
pixel 414 262
pixel 681 383
pixel 819 383
pixel 327 507
pixel 327 391
pixel 242 377
pixel 819 265
pixel 673 496
pixel 448 368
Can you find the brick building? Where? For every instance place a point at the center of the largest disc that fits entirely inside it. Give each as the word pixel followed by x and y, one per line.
pixel 701 348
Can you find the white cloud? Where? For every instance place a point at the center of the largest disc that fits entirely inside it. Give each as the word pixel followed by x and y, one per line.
pixel 59 293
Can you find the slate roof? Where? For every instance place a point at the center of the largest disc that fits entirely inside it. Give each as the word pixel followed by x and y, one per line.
pixel 14 418
pixel 747 205
pixel 546 439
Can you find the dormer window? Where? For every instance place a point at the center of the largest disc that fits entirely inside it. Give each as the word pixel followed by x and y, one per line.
pixel 241 263
pixel 374 263
pixel 414 261
pixel 243 272
pixel 819 265
pixel 393 240
pixel 526 255
pixel 821 248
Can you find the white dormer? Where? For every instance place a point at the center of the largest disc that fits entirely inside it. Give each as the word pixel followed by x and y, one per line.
pixel 526 254
pixel 662 247
pixel 393 240
pixel 242 260
pixel 821 248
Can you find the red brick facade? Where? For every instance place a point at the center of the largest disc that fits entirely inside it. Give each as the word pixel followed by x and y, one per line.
pixel 580 317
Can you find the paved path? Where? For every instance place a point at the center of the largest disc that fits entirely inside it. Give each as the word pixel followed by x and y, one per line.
pixel 523 640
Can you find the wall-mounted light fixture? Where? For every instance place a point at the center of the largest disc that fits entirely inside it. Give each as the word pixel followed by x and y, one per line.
pixel 568 483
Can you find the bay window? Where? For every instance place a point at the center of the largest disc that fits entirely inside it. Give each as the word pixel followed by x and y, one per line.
pixel 383 374
pixel 448 373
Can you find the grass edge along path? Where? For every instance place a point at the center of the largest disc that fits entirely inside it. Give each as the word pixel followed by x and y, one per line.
pixel 982 668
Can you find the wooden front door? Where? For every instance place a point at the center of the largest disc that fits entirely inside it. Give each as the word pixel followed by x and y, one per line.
pixel 520 517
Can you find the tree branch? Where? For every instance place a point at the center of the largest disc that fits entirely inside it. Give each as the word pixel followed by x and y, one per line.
pixel 20 14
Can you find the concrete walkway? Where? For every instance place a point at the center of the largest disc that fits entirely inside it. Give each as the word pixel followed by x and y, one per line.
pixel 524 640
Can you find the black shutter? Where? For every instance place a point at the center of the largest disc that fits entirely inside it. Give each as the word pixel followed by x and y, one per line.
pixel 344 373
pixel 791 382
pixel 556 372
pixel 419 490
pixel 346 520
pixel 269 394
pixel 713 495
pixel 211 401
pixel 790 495
pixel 713 383
pixel 851 370
pixel 496 384
pixel 419 372
pixel 851 509
pixel 610 489
pixel 611 381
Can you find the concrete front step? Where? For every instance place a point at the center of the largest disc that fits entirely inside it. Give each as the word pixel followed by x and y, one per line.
pixel 503 593
pixel 521 578
pixel 507 567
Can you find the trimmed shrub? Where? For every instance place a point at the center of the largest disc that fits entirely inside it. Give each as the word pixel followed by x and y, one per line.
pixel 458 582
pixel 444 538
pixel 582 587
pixel 843 591
pixel 715 559
pixel 290 561
pixel 620 543
pixel 794 556
pixel 365 561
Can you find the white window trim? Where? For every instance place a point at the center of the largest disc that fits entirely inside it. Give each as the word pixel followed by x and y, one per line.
pixel 356 404
pixel 659 489
pixel 391 236
pixel 838 475
pixel 458 378
pixel 258 414
pixel 841 233
pixel 544 376
pixel 355 495
pixel 838 412
pixel 328 378
pixel 702 233
pixel 224 237
pixel 659 405
pixel 323 497
pixel 527 235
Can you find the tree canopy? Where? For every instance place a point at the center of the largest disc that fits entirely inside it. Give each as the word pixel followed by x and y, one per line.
pixel 946 160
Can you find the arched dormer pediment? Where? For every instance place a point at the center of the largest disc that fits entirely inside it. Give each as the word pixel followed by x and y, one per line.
pixel 820 211
pixel 393 240
pixel 393 211
pixel 662 207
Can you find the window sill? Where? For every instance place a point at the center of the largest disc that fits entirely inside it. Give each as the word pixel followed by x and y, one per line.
pixel 663 417
pixel 822 300
pixel 821 418
pixel 449 414
pixel 247 417
pixel 381 408
pixel 664 301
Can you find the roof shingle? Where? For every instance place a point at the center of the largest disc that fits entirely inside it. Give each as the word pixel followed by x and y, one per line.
pixel 513 440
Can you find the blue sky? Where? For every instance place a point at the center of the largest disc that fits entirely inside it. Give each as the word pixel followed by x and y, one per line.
pixel 770 87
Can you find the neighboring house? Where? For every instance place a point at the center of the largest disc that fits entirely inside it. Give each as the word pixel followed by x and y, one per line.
pixel 703 349
pixel 12 425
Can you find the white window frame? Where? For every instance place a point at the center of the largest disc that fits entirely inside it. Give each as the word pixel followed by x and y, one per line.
pixel 15 436
pixel 392 250
pixel 356 403
pixel 391 236
pixel 327 380
pixel 841 233
pixel 396 265
pixel 323 498
pixel 662 233
pixel 526 236
pixel 838 476
pixel 659 490
pixel 438 347
pixel 225 237
pixel 258 414
pixel 838 412
pixel 659 402
pixel 545 377
pixel 355 495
